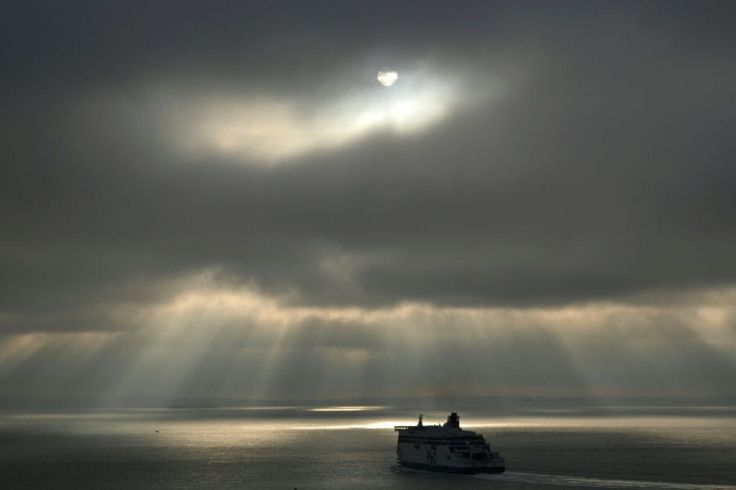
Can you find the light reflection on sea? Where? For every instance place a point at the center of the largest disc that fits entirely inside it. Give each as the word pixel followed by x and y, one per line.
pixel 298 447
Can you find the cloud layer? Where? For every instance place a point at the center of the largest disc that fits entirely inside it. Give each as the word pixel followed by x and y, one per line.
pixel 528 158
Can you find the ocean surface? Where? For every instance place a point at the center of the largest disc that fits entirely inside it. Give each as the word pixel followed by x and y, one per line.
pixel 354 448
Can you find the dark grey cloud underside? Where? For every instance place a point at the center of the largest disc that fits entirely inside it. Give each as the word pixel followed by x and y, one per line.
pixel 606 170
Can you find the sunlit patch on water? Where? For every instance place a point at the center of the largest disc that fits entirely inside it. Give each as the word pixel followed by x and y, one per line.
pixel 584 482
pixel 348 408
pixel 383 424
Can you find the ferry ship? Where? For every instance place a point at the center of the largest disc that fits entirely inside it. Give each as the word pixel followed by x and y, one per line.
pixel 447 448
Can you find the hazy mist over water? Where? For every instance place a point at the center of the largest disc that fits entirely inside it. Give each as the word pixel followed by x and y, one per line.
pixel 354 447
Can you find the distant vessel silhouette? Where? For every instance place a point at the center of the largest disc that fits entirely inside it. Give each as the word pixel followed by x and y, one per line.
pixel 446 448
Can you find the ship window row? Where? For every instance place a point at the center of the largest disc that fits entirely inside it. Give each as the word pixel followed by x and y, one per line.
pixel 473 445
pixel 431 440
pixel 445 442
pixel 463 448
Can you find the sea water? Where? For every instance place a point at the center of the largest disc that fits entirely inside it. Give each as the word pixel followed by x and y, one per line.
pixel 354 447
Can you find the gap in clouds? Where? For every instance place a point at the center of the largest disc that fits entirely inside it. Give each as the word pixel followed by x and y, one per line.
pixel 261 128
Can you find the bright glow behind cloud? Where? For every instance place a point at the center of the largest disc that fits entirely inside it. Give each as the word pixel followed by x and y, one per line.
pixel 387 78
pixel 270 130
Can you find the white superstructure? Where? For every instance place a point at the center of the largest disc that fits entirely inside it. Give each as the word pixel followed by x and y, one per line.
pixel 446 448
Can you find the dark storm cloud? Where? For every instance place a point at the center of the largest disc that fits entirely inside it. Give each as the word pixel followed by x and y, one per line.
pixel 603 169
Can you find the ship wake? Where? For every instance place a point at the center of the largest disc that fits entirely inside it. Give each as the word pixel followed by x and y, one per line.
pixel 585 482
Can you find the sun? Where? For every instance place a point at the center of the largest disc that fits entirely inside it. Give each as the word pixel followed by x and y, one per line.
pixel 387 78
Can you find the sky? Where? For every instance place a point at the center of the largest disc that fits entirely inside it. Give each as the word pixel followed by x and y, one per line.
pixel 219 199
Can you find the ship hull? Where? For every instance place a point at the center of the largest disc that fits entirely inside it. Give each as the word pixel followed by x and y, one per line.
pixel 446 448
pixel 453 469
